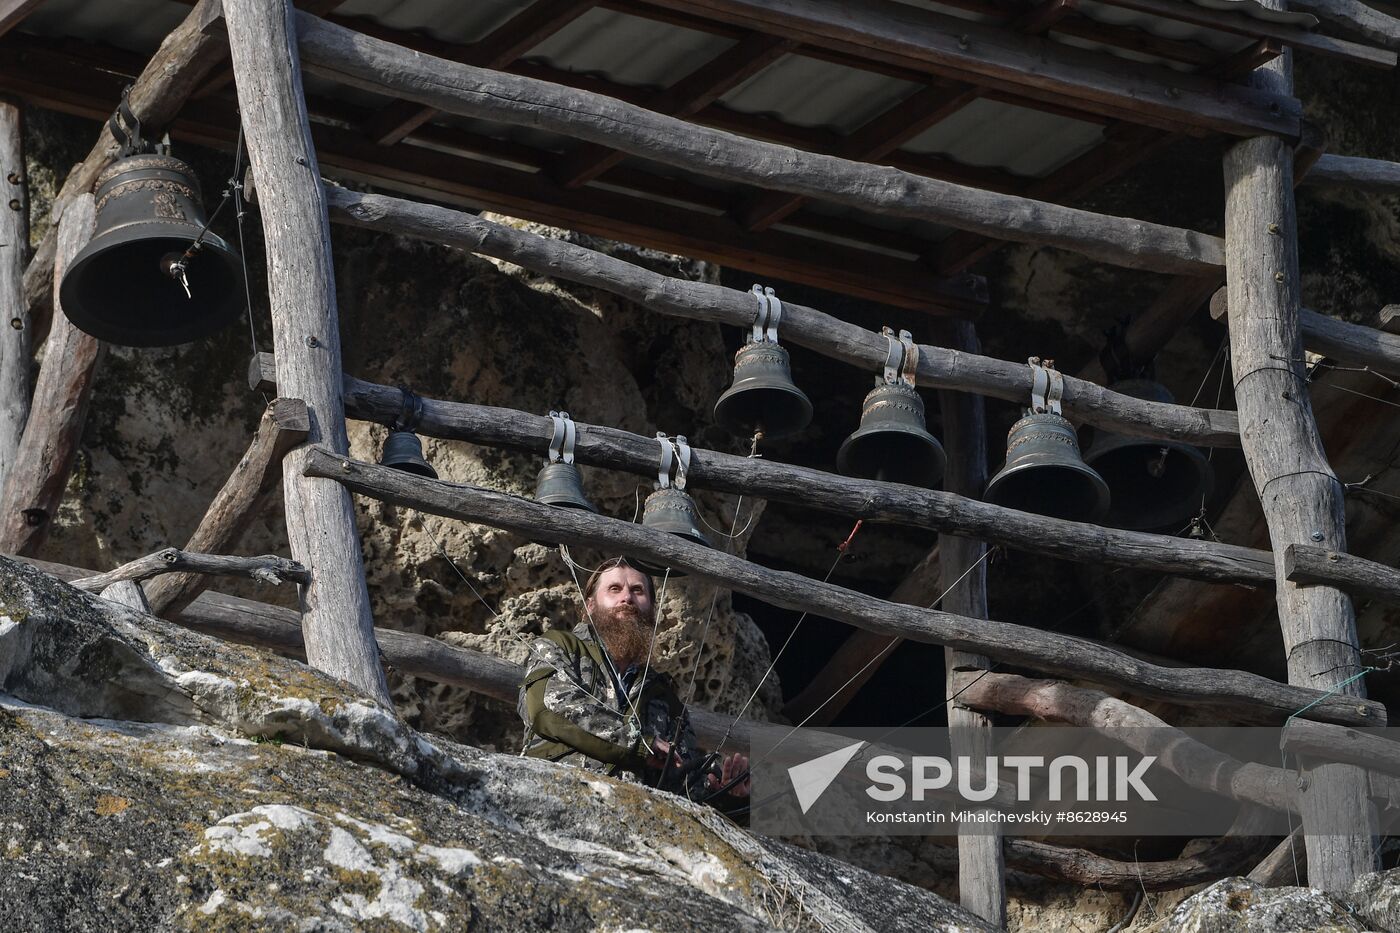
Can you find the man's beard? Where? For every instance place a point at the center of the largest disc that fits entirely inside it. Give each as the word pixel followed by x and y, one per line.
pixel 625 633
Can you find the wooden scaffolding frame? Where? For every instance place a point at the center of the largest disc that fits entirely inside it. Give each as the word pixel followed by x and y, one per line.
pixel 261 46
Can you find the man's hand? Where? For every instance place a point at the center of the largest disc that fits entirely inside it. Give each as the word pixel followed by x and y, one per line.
pixel 660 751
pixel 735 765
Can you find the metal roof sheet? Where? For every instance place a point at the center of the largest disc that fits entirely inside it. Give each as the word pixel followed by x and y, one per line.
pixel 990 133
pixel 629 49
pixel 809 92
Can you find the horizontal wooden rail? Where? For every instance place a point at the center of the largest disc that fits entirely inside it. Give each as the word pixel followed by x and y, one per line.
pixel 939 368
pixel 1330 336
pixel 1356 16
pixel 1303 563
pixel 933 509
pixel 1002 641
pixel 1375 175
pixel 354 59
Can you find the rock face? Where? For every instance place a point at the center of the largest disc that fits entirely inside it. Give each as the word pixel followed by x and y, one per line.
pixel 155 779
pixel 1237 905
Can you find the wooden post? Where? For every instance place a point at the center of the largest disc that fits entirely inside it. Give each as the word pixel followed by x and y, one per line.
pixel 34 487
pixel 981 862
pixel 14 310
pixel 249 487
pixel 306 333
pixel 1300 495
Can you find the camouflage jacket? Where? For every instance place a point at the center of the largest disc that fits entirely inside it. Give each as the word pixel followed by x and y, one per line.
pixel 579 709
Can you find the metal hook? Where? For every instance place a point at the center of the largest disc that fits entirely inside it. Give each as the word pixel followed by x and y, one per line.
pixel 410 411
pixel 911 357
pixel 1047 386
pixel 775 314
pixel 894 356
pixel 570 436
pixel 760 320
pixel 683 450
pixel 668 454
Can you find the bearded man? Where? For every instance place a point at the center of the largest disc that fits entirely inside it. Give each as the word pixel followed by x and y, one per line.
pixel 601 706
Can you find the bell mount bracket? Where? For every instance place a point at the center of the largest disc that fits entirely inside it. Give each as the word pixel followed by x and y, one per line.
pixel 770 313
pixel 901 359
pixel 563 438
pixel 410 411
pixel 675 461
pixel 1047 386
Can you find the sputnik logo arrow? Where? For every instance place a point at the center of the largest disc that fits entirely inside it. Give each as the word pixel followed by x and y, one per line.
pixel 811 778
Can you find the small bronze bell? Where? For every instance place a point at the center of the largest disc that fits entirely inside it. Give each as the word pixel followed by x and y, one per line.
pixel 670 508
pixel 1155 484
pixel 891 443
pixel 404 451
pixel 560 484
pixel 1044 473
pixel 763 397
pixel 402 448
pixel 138 282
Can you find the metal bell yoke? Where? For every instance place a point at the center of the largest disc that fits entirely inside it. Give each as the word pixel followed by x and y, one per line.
pixel 670 508
pixel 763 399
pixel 892 443
pixel 152 275
pixel 1156 485
pixel 559 482
pixel 403 450
pixel 1044 472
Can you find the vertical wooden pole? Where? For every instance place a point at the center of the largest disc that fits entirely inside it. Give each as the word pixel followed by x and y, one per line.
pixel 14 310
pixel 34 487
pixel 1300 495
pixel 336 618
pixel 981 860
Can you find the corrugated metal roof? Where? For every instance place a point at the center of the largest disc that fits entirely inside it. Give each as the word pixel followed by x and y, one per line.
pixel 810 92
pixel 441 19
pixel 994 134
pixel 133 25
pixel 629 49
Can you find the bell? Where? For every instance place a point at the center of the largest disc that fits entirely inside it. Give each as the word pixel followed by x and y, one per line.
pixel 404 451
pixel 671 510
pixel 1155 484
pixel 1044 473
pixel 136 283
pixel 560 484
pixel 891 443
pixel 763 397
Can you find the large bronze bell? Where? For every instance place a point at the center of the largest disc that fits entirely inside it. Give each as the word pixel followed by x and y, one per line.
pixel 140 281
pixel 1044 473
pixel 891 443
pixel 763 397
pixel 560 484
pixel 404 451
pixel 1155 484
pixel 671 510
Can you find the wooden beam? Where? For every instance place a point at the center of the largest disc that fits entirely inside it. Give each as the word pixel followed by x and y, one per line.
pixel 981 862
pixel 1300 496
pixel 1238 23
pixel 1377 176
pixel 35 485
pixel 938 367
pixel 1317 566
pixel 346 57
pixel 916 38
pixel 1358 17
pixel 1372 751
pixel 15 350
pixel 267 568
pixel 1051 652
pixel 685 98
pixel 1356 344
pixel 248 491
pixel 306 333
pixel 129 594
pixel 512 39
pixel 183 60
pixel 13 12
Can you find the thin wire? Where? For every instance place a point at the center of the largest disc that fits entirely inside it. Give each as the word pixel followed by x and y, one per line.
pixel 840 553
pixel 1328 385
pixel 1206 375
pixel 883 651
pixel 714 598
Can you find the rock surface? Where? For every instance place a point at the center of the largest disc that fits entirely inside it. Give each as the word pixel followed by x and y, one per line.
pixel 155 779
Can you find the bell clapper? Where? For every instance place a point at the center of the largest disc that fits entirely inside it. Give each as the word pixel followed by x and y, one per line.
pixel 176 267
pixel 1157 466
pixel 753 443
